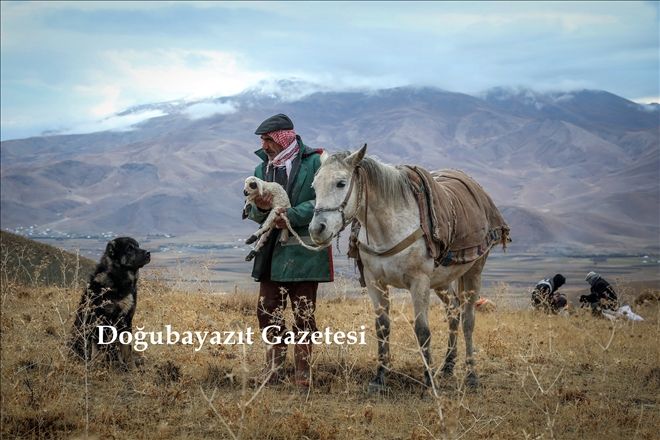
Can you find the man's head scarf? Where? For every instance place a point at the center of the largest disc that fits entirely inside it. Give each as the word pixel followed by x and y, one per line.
pixel 283 137
pixel 286 139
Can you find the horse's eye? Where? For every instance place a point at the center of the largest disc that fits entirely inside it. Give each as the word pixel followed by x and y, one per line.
pixel 341 184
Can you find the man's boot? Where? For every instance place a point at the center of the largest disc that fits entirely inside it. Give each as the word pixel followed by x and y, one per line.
pixel 303 356
pixel 275 358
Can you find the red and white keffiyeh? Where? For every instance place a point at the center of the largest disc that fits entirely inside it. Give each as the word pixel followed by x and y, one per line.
pixel 285 138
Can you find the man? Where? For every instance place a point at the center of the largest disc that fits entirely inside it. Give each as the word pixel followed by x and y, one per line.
pixel 546 296
pixel 287 269
pixel 602 295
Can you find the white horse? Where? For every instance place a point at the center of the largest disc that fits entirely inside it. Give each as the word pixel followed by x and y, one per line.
pixel 394 253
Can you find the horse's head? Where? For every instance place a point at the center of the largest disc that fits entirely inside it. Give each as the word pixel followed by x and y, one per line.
pixel 337 195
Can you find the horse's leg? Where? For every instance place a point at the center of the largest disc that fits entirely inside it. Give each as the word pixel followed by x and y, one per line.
pixel 453 309
pixel 381 302
pixel 469 287
pixel 419 290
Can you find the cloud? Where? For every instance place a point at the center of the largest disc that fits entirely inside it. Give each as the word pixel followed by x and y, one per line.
pixel 127 78
pixel 131 77
pixel 647 100
pixel 125 122
pixel 104 57
pixel 205 109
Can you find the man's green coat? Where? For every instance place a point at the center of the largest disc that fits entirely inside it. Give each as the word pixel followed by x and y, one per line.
pixel 289 261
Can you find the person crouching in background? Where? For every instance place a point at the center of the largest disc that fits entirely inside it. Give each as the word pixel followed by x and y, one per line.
pixel 546 297
pixel 602 295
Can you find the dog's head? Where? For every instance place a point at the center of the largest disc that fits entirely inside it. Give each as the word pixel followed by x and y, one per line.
pixel 253 186
pixel 126 252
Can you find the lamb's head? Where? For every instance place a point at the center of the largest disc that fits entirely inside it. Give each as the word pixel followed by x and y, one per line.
pixel 253 187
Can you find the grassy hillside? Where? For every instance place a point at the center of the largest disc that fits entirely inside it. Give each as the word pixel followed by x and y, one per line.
pixel 28 262
pixel 542 376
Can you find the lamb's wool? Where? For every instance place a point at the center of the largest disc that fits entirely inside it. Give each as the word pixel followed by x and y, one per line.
pixel 256 187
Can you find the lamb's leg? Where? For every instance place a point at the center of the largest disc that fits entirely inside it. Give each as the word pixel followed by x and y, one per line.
pixel 290 229
pixel 266 226
pixel 258 246
pixel 284 235
pixel 262 240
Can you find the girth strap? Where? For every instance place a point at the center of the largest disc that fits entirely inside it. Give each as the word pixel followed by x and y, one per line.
pixel 403 244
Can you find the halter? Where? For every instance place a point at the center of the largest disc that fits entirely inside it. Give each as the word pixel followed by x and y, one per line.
pixel 357 171
pixel 403 244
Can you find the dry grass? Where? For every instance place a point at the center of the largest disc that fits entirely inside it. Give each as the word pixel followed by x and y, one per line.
pixel 542 376
pixel 32 263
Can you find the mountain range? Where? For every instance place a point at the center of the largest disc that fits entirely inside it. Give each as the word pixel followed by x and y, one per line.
pixel 571 171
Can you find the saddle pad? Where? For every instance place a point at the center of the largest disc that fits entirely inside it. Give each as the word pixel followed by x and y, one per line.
pixel 459 220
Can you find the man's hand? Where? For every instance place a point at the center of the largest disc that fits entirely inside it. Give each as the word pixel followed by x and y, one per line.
pixel 264 202
pixel 280 219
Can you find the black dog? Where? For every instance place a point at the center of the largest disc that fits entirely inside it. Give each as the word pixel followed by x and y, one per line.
pixel 110 299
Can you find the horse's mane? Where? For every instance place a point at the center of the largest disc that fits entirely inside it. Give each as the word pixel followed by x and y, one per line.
pixel 389 182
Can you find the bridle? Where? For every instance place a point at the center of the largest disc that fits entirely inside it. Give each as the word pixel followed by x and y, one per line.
pixel 358 174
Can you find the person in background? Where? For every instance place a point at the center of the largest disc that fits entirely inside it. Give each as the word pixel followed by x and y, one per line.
pixel 602 295
pixel 288 270
pixel 545 295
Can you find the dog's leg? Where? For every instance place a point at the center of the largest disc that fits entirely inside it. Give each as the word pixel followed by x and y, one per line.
pixel 126 356
pixel 125 324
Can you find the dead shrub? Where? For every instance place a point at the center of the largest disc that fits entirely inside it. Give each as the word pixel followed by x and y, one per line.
pixel 648 297
pixel 167 373
pixel 217 376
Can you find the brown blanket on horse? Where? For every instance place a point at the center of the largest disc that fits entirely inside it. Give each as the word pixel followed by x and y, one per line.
pixel 459 220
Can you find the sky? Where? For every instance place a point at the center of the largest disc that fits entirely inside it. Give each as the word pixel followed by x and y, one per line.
pixel 72 66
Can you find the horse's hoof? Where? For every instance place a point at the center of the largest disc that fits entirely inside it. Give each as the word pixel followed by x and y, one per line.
pixel 250 256
pixel 377 387
pixel 472 381
pixel 427 380
pixel 251 239
pixel 446 374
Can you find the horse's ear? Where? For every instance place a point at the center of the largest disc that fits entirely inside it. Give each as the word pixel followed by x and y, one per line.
pixel 355 158
pixel 324 156
pixel 260 187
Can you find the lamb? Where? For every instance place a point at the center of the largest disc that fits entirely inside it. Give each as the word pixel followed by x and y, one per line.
pixel 254 187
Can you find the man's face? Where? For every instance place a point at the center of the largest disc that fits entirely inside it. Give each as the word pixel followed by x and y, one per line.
pixel 270 147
